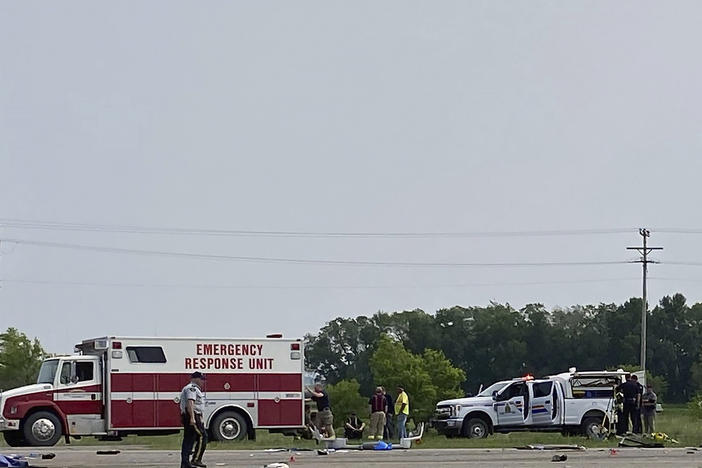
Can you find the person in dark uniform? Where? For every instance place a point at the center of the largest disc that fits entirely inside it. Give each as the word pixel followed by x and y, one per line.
pixel 389 431
pixel 192 404
pixel 630 390
pixel 638 427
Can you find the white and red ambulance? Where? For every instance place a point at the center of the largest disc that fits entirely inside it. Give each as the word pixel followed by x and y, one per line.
pixel 115 386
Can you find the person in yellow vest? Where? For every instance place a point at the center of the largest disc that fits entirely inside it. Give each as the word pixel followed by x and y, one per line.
pixel 402 411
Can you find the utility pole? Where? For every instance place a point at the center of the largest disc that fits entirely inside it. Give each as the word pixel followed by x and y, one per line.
pixel 644 261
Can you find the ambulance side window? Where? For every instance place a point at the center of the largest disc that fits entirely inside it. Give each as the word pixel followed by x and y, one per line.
pixel 65 373
pixel 152 354
pixel 84 371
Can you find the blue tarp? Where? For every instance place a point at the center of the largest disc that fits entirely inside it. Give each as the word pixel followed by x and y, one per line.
pixel 7 461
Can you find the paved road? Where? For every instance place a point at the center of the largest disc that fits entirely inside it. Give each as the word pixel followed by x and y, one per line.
pixel 131 457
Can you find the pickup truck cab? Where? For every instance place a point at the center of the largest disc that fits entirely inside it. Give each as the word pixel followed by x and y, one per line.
pixel 573 402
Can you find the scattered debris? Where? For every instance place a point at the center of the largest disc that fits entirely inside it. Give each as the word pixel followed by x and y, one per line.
pixel 551 447
pixel 277 465
pixel 322 452
pixel 655 440
pixel 107 452
pixel 613 452
pixel 559 458
pixel 12 461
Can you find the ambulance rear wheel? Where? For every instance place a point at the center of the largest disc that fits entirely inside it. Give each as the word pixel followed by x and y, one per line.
pixel 14 438
pixel 229 426
pixel 42 429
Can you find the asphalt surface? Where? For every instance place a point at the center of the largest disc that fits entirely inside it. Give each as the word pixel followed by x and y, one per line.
pixel 143 458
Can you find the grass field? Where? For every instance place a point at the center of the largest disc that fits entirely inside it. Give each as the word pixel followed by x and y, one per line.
pixel 674 420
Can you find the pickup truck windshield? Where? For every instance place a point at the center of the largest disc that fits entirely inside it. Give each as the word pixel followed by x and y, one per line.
pixel 496 387
pixel 47 373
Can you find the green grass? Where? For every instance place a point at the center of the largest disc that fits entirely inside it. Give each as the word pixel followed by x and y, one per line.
pixel 676 421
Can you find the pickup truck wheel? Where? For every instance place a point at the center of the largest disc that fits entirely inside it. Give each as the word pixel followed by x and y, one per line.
pixel 42 429
pixel 475 428
pixel 229 426
pixel 591 427
pixel 14 438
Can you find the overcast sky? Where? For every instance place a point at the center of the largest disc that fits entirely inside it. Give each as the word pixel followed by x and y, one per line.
pixel 364 116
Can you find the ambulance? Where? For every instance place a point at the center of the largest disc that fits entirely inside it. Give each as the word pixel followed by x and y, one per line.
pixel 115 386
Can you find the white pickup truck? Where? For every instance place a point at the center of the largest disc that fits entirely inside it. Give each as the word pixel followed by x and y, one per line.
pixel 571 402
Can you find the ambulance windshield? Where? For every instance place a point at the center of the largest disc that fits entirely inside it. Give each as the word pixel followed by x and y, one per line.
pixel 47 373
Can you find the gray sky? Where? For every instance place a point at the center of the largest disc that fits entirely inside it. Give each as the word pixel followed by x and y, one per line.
pixel 339 116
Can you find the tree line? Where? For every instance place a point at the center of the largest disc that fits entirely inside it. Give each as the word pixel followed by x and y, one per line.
pixel 498 341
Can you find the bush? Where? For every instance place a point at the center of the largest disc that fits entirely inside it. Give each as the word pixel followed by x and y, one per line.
pixel 344 398
pixel 695 406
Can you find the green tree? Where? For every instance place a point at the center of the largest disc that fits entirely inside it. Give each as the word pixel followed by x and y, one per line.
pixel 426 378
pixel 345 398
pixel 20 359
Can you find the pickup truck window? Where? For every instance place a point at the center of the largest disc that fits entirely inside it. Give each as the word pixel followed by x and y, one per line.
pixel 542 389
pixel 514 390
pixel 496 387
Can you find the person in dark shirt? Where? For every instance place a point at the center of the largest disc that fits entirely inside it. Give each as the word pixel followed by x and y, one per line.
pixel 630 390
pixel 389 431
pixel 353 429
pixel 638 427
pixel 325 417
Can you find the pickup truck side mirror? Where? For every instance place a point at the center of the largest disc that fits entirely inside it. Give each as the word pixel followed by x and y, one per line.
pixel 494 395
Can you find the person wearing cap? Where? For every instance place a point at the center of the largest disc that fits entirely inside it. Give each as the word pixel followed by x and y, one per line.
pixel 402 411
pixel 192 404
pixel 378 407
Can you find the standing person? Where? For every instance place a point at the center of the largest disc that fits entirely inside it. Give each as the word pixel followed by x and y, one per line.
pixel 378 408
pixel 353 429
pixel 192 404
pixel 389 430
pixel 638 427
pixel 402 411
pixel 648 402
pixel 325 417
pixel 630 390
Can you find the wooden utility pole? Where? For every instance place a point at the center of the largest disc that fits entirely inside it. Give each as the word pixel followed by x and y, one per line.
pixel 644 261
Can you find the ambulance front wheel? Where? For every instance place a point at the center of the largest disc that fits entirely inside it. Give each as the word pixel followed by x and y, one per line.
pixel 229 425
pixel 42 429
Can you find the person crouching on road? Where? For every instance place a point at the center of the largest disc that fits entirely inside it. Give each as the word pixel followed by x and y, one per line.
pixel 192 404
pixel 378 408
pixel 402 411
pixel 325 417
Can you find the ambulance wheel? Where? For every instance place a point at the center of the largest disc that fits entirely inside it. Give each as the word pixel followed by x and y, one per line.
pixel 14 438
pixel 229 426
pixel 42 429
pixel 475 428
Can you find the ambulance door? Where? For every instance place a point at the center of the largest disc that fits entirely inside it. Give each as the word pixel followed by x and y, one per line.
pixel 79 395
pixel 512 404
pixel 542 402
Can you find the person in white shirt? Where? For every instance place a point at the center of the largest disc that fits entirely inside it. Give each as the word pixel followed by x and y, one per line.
pixel 192 404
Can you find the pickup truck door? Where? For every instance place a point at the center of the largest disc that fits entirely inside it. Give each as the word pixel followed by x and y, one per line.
pixel 542 402
pixel 511 404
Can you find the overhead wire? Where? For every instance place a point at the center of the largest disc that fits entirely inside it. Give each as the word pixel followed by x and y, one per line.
pixel 133 229
pixel 303 261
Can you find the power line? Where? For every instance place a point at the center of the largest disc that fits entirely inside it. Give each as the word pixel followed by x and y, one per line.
pixel 302 261
pixel 240 286
pixel 62 226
